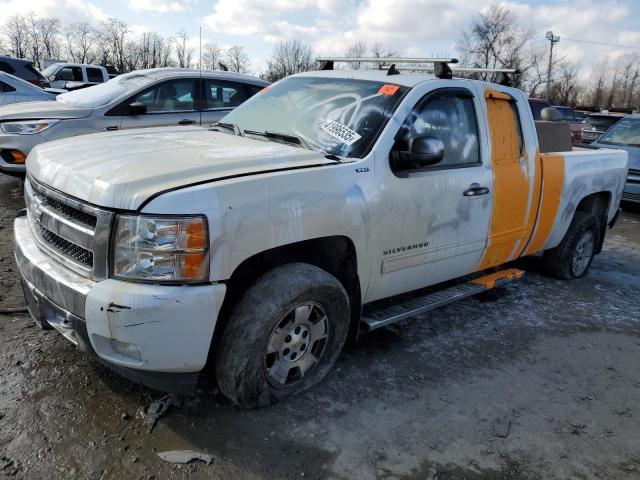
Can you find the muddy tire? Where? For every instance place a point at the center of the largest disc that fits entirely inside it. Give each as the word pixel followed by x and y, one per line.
pixel 572 258
pixel 283 336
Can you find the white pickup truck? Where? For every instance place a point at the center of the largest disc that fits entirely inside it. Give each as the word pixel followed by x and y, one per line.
pixel 262 244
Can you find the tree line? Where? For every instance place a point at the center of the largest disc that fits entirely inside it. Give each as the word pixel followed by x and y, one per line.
pixel 110 43
pixel 494 39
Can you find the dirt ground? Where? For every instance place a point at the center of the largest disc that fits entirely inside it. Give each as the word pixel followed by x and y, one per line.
pixel 538 380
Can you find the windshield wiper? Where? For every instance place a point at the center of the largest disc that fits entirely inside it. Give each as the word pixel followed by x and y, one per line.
pixel 229 126
pixel 287 137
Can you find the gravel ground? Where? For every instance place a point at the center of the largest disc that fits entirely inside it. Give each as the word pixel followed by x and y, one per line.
pixel 537 380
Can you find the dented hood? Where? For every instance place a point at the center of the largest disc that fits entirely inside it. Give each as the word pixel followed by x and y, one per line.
pixel 123 169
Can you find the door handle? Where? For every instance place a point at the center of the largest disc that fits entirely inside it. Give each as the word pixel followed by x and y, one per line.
pixel 475 190
pixel 186 121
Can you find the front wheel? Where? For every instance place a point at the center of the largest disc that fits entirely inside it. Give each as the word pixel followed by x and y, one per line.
pixel 283 336
pixel 572 258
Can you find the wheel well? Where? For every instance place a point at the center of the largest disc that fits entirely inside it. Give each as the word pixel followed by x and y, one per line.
pixel 336 255
pixel 597 204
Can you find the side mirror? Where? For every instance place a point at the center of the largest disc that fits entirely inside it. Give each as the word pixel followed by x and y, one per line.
pixel 137 108
pixel 423 151
pixel 550 114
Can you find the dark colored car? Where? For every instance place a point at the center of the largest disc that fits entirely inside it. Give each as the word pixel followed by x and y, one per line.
pixel 23 69
pixel 625 135
pixel 537 105
pixel 598 123
pixel 575 121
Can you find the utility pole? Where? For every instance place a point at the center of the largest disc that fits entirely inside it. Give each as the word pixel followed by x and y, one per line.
pixel 553 39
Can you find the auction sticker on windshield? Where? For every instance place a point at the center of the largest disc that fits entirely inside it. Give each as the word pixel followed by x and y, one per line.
pixel 339 131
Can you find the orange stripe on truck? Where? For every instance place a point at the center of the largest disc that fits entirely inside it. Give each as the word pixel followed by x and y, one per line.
pixel 552 167
pixel 515 194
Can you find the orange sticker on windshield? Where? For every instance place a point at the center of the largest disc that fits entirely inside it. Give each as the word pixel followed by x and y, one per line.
pixel 388 89
pixel 265 89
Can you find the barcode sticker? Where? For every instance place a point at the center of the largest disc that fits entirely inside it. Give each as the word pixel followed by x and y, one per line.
pixel 339 131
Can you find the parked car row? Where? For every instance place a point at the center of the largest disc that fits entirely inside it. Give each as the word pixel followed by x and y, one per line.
pixel 144 98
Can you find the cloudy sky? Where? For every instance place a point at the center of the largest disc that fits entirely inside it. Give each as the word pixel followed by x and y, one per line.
pixel 410 27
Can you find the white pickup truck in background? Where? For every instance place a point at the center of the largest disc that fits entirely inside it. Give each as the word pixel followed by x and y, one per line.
pixel 261 244
pixel 59 74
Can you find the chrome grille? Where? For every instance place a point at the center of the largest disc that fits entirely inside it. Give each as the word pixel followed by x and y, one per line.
pixel 73 232
pixel 65 247
pixel 66 210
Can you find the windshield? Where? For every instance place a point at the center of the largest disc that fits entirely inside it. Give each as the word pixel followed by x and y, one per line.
pixel 601 123
pixel 337 116
pixel 625 133
pixel 47 72
pixel 104 93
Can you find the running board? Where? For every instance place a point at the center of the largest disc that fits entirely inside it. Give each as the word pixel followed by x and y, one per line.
pixel 373 319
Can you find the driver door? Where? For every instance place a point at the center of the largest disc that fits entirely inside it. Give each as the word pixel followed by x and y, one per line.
pixel 432 220
pixel 172 102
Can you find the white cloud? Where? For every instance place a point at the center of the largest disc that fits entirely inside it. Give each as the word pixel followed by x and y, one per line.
pixel 70 11
pixel 159 6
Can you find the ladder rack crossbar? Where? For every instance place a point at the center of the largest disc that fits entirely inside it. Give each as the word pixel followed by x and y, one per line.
pixel 386 60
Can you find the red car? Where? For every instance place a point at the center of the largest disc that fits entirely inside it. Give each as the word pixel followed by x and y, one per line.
pixel 575 121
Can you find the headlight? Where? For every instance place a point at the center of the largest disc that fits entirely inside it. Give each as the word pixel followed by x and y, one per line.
pixel 29 127
pixel 161 249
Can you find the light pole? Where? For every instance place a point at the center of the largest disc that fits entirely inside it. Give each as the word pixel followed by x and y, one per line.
pixel 553 39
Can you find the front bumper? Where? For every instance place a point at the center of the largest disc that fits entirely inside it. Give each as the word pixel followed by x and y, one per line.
pixel 23 143
pixel 631 191
pixel 153 334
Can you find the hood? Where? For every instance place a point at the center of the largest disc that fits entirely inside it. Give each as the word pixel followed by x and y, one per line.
pixel 41 110
pixel 123 169
pixel 634 153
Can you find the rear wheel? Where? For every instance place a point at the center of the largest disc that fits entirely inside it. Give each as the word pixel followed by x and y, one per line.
pixel 283 336
pixel 572 258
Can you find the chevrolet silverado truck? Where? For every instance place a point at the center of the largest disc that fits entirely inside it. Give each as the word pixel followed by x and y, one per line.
pixel 262 244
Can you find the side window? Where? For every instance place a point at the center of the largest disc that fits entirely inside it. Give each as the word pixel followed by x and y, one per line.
pixel 171 96
pixel 253 89
pixel 219 94
pixel 5 67
pixel 70 74
pixel 6 88
pixel 451 118
pixel 94 75
pixel 518 140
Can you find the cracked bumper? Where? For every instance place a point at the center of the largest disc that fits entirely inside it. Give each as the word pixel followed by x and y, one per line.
pixel 148 333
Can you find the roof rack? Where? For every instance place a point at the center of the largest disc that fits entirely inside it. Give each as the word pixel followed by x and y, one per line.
pixel 440 65
pixel 505 73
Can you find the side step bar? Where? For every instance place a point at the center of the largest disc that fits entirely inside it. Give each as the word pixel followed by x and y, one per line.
pixel 373 319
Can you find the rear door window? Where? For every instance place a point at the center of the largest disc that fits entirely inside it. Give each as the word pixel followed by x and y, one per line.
pixel 94 75
pixel 6 67
pixel 221 94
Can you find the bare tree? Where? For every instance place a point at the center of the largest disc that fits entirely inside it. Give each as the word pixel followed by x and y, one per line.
pixel 378 50
pixel 495 39
pixel 81 42
pixel 288 58
pixel 356 50
pixel 17 32
pixel 3 46
pixel 113 41
pixel 183 51
pixel 237 60
pixel 211 55
pixel 49 31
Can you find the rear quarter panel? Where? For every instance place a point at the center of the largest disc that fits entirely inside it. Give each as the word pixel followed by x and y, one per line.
pixel 586 172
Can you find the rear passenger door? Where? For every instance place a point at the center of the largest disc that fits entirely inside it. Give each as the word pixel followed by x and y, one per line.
pixel 172 102
pixel 220 97
pixel 515 190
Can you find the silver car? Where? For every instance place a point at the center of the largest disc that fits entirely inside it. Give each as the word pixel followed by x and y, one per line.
pixel 144 98
pixel 16 90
